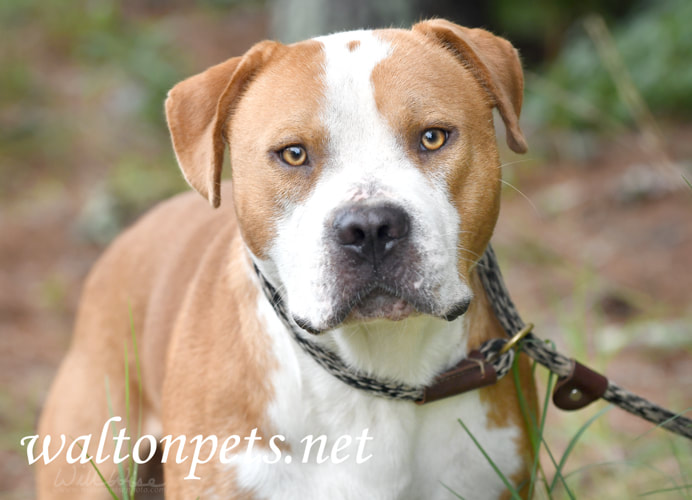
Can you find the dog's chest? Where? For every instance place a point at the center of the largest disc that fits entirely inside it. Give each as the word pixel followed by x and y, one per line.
pixel 344 443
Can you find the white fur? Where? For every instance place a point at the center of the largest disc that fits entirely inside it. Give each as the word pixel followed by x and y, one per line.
pixel 415 449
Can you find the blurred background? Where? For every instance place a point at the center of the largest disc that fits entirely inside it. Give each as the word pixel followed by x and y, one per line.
pixel 595 234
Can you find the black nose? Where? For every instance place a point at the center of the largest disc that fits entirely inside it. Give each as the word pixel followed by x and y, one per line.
pixel 371 232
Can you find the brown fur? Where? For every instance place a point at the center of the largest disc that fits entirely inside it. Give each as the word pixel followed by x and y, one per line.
pixel 260 183
pixel 353 45
pixel 197 302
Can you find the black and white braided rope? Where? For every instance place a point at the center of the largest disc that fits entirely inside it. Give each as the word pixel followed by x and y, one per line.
pixel 542 353
pixel 493 283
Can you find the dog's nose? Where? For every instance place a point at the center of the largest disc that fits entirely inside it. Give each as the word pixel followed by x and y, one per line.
pixel 371 232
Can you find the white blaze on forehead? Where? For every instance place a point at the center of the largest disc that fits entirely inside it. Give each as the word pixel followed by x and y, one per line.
pixel 350 110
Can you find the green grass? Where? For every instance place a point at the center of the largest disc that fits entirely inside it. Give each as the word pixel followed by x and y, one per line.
pixel 127 478
pixel 562 483
pixel 589 453
pixel 687 181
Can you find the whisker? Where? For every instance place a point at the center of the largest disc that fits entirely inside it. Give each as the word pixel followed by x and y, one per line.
pixel 535 209
pixel 464 249
pixel 508 164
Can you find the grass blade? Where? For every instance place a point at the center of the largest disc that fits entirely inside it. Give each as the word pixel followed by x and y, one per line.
pixel 679 459
pixel 452 491
pixel 573 442
pixel 127 394
pixel 510 487
pixel 541 428
pixel 121 470
pixel 134 465
pixel 679 414
pixel 535 436
pixel 685 487
pixel 687 181
pixel 558 475
pixel 529 417
pixel 103 479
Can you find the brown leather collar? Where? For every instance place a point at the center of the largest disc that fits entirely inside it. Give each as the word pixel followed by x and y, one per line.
pixel 472 372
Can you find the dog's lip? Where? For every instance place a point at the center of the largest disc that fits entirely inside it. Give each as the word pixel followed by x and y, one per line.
pixel 363 307
pixel 381 304
pixel 392 306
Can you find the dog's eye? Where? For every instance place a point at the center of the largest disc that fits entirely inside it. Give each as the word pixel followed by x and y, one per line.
pixel 295 156
pixel 433 139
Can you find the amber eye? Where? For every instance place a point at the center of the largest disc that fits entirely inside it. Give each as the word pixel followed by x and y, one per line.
pixel 433 138
pixel 295 156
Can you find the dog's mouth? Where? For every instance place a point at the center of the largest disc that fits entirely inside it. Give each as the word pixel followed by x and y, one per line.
pixel 381 304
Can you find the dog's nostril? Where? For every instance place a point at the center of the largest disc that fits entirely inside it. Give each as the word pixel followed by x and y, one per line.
pixel 383 232
pixel 370 231
pixel 358 235
pixel 349 233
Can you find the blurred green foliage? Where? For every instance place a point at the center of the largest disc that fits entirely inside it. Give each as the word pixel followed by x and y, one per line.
pixel 88 33
pixel 539 27
pixel 81 89
pixel 655 44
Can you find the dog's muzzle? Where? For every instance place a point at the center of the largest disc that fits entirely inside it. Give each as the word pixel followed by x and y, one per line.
pixel 377 269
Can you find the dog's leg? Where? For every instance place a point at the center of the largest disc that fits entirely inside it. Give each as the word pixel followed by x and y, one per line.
pixel 79 382
pixel 89 391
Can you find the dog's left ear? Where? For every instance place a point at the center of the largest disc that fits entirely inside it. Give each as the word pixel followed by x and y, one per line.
pixel 493 61
pixel 198 111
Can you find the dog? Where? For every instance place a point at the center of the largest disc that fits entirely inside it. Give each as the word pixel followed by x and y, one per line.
pixel 365 188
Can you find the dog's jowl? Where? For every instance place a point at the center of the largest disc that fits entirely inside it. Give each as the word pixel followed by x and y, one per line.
pixel 337 263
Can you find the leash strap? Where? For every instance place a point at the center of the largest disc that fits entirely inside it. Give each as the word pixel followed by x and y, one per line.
pixel 577 385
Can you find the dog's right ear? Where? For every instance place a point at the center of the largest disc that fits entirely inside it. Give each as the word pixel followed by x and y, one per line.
pixel 493 62
pixel 198 111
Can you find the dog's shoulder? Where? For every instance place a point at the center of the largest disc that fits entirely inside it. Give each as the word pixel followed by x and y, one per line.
pixel 182 225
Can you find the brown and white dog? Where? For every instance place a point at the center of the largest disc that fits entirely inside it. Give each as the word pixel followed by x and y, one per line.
pixel 365 186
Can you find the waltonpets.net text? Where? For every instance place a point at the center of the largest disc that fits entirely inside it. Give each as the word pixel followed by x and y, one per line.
pixel 227 450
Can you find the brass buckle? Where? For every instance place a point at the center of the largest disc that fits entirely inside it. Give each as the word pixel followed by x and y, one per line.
pixel 512 343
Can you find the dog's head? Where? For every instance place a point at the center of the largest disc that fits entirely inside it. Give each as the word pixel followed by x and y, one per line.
pixel 365 169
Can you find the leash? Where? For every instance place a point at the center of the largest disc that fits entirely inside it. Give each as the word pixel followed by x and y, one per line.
pixel 577 385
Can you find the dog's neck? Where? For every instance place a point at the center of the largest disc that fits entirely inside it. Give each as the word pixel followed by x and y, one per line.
pixel 411 351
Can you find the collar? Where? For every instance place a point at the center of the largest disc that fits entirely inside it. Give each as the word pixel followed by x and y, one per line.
pixel 481 367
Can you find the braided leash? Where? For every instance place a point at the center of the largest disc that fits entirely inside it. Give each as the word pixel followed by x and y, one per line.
pixel 577 385
pixel 539 351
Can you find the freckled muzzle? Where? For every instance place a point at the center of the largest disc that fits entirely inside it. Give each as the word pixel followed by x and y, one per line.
pixel 377 269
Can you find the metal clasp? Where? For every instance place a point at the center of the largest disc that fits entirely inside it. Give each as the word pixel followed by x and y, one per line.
pixel 512 343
